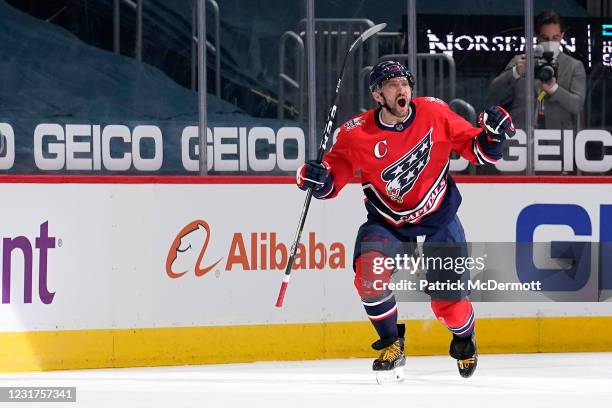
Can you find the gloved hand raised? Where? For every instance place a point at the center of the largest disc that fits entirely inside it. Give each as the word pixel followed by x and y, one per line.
pixel 497 123
pixel 312 174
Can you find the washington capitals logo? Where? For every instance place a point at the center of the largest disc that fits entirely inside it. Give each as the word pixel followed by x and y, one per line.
pixel 401 175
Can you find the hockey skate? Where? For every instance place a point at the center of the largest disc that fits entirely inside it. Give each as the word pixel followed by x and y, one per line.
pixel 464 351
pixel 389 366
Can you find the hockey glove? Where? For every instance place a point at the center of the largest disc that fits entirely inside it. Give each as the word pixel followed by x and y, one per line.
pixel 312 174
pixel 497 123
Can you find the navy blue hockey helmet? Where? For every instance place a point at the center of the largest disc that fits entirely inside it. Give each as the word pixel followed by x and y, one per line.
pixel 386 70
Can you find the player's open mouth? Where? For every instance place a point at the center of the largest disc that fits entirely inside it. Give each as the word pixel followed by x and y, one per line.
pixel 401 102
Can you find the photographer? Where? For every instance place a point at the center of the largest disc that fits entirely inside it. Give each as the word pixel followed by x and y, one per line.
pixel 560 80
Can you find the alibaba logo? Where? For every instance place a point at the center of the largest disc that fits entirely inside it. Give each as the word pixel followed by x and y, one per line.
pixel 187 250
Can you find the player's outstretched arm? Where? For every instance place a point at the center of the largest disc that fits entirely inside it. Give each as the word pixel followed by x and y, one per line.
pixel 497 127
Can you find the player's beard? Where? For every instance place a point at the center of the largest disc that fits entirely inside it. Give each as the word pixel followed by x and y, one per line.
pixel 400 113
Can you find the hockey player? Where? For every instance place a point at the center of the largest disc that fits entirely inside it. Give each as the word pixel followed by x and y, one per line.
pixel 402 149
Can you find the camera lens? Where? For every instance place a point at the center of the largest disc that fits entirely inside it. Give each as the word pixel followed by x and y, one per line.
pixel 545 73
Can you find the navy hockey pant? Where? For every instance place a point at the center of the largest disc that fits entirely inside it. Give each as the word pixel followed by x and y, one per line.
pixel 377 240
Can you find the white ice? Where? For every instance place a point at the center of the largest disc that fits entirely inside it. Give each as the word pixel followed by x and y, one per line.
pixel 501 381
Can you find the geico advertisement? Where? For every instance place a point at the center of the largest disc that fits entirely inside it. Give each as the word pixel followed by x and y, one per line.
pixel 52 147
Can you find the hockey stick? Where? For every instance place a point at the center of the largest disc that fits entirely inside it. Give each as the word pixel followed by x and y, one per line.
pixel 331 117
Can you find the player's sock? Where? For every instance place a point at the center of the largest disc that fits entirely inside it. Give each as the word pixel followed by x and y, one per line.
pixel 383 315
pixel 465 330
pixel 379 304
pixel 457 316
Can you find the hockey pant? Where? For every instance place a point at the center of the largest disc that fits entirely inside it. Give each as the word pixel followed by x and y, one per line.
pixel 377 241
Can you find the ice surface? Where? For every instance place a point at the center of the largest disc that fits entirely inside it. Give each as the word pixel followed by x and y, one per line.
pixel 529 380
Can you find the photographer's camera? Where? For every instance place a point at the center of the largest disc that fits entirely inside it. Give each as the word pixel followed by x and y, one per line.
pixel 545 65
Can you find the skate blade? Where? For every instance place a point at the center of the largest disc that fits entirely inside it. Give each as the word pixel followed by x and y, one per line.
pixel 392 376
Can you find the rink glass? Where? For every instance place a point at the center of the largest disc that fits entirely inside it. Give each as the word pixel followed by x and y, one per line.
pixel 111 87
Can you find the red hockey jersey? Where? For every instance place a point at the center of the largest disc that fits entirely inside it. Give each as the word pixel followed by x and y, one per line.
pixel 404 167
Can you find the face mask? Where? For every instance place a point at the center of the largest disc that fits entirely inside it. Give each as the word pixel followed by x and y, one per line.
pixel 551 46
